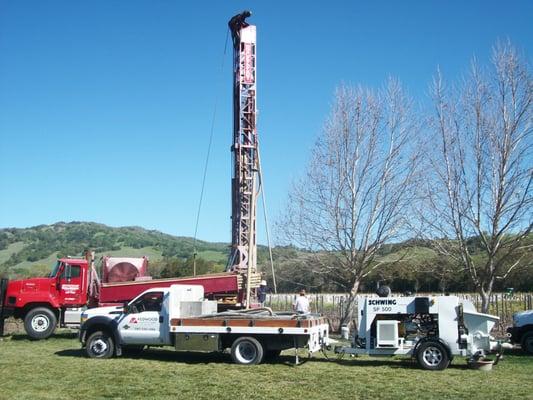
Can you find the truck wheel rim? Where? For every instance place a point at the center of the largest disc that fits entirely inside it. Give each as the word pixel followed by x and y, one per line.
pixel 246 352
pixel 40 323
pixel 99 346
pixel 432 356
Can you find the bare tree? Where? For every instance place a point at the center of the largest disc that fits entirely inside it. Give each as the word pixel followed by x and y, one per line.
pixel 358 186
pixel 480 194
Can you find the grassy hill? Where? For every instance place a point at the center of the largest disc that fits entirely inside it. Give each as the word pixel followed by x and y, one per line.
pixel 31 251
pixel 408 266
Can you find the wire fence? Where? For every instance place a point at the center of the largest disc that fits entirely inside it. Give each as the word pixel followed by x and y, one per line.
pixel 335 305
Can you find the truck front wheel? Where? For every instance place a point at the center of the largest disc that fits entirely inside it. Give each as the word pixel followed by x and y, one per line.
pixel 100 345
pixel 40 323
pixel 247 350
pixel 527 342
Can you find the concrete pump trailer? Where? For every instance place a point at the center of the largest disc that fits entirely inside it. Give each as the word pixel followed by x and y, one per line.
pixel 431 329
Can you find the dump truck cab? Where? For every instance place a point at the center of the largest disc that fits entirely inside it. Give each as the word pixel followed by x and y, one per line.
pixel 65 285
pixel 43 302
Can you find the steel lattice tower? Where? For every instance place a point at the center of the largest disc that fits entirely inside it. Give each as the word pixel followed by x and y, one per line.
pixel 243 256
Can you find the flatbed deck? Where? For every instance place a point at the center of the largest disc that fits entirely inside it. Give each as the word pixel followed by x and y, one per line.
pixel 312 327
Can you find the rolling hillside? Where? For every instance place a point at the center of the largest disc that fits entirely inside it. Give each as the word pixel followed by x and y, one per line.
pixel 411 265
pixel 31 251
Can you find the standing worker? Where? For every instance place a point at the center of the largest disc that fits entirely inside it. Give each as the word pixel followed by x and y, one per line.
pixel 301 304
pixel 262 293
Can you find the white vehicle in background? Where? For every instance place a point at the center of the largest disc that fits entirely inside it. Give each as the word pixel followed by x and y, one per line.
pixel 431 329
pixel 522 330
pixel 180 317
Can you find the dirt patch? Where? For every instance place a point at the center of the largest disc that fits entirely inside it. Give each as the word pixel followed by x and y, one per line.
pixel 12 325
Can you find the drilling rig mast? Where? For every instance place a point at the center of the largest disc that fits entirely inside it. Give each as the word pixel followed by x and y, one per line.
pixel 243 257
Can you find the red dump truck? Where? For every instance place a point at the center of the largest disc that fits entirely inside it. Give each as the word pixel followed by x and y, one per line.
pixel 73 286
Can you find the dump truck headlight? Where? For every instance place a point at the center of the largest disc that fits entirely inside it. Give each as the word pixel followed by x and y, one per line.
pixel 83 318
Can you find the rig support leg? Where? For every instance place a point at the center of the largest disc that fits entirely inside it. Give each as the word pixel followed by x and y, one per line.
pixel 296 358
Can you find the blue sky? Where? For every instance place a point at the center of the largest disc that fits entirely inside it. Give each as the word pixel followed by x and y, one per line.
pixel 106 106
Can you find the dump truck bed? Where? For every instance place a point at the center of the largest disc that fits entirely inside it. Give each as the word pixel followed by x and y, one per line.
pixel 215 285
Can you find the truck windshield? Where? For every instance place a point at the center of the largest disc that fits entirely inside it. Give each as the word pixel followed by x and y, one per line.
pixel 54 271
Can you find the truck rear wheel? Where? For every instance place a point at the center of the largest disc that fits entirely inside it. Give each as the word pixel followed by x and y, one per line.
pixel 527 343
pixel 432 355
pixel 100 345
pixel 247 351
pixel 40 323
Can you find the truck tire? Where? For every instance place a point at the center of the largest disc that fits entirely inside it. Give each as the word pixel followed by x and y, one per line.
pixel 40 323
pixel 433 356
pixel 247 351
pixel 100 345
pixel 527 343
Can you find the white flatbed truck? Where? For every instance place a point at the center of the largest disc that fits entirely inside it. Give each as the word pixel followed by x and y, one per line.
pixel 179 317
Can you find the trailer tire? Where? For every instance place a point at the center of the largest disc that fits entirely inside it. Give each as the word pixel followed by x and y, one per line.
pixel 527 343
pixel 247 350
pixel 100 345
pixel 433 356
pixel 40 323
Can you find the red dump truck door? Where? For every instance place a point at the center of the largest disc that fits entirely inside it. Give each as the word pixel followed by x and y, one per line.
pixel 72 285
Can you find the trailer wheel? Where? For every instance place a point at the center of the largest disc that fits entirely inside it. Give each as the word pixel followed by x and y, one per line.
pixel 527 343
pixel 100 345
pixel 40 323
pixel 247 350
pixel 432 355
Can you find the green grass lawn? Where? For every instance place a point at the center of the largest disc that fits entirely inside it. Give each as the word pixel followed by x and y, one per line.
pixel 57 369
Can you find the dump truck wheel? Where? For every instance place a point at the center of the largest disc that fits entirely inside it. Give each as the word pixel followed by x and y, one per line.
pixel 432 355
pixel 247 351
pixel 100 345
pixel 40 323
pixel 527 343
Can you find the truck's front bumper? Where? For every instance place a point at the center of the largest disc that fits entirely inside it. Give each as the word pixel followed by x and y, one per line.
pixel 5 312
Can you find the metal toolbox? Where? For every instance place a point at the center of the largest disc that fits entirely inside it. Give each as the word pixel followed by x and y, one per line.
pixel 197 342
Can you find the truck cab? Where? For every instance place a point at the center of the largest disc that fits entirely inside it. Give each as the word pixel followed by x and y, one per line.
pixel 145 321
pixel 522 330
pixel 45 302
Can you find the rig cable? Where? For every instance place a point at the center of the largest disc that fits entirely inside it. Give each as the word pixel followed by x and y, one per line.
pixel 267 230
pixel 213 119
